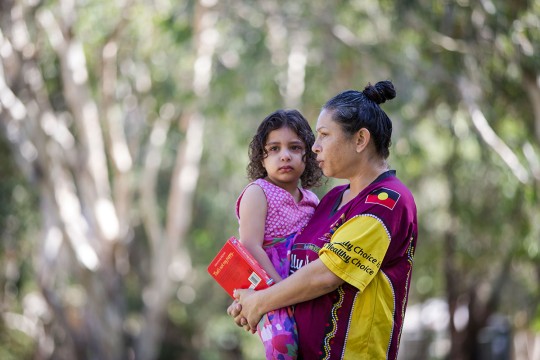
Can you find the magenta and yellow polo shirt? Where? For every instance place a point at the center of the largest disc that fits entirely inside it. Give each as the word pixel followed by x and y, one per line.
pixel 369 243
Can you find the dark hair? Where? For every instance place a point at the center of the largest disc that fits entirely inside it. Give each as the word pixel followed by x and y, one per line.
pixel 354 110
pixel 295 121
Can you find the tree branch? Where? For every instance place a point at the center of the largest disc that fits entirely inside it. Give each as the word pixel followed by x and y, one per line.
pixel 147 188
pixel 469 92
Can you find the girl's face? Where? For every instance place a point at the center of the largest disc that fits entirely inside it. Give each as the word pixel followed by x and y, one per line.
pixel 284 160
pixel 336 152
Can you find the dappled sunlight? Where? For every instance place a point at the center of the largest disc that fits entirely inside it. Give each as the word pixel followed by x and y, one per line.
pixel 53 243
pixel 461 318
pixel 21 323
pixel 28 151
pixel 77 63
pixel 76 296
pixel 190 170
pixel 106 217
pixel 180 268
pixel 6 50
pixel 296 73
pixel 186 294
pixel 209 38
pixel 55 128
pixel 425 331
pixel 202 68
pixel 122 158
pixel 431 141
pixel 8 100
pixel 76 227
pixel 435 194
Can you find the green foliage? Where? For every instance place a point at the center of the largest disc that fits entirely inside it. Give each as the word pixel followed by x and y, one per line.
pixel 18 222
pixel 14 344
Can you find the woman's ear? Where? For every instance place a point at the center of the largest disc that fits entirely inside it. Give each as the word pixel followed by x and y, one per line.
pixel 362 138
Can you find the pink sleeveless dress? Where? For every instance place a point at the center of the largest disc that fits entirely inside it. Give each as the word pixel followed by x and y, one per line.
pixel 284 218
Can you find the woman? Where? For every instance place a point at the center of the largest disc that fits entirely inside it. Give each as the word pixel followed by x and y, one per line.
pixel 351 265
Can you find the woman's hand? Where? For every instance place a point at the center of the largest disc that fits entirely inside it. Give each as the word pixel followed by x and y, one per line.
pixel 249 308
pixel 234 310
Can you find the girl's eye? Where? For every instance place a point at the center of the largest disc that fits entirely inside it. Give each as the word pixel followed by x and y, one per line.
pixel 297 148
pixel 273 148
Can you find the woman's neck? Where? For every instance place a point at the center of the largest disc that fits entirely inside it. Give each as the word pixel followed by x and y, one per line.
pixel 366 177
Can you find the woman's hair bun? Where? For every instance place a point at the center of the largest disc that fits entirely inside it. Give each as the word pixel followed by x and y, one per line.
pixel 380 92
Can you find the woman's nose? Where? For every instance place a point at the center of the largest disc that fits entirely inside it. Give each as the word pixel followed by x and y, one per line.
pixel 316 148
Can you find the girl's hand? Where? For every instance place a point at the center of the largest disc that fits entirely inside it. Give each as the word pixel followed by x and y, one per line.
pixel 249 307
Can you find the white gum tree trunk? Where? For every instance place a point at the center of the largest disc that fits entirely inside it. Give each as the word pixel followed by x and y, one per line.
pixel 82 163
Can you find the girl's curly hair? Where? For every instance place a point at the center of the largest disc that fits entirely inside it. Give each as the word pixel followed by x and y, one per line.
pixel 295 121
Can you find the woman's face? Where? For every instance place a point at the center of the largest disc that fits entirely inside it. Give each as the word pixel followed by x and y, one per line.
pixel 336 152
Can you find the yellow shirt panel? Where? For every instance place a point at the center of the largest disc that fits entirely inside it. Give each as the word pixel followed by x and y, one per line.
pixel 374 309
pixel 356 250
pixel 355 254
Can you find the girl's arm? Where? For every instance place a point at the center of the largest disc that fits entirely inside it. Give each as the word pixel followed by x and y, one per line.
pixel 253 208
pixel 308 282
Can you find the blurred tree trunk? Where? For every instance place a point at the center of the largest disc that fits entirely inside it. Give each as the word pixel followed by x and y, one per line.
pixel 166 243
pixel 492 228
pixel 83 164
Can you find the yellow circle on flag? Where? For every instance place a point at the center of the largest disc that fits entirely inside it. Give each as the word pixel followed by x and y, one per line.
pixel 382 196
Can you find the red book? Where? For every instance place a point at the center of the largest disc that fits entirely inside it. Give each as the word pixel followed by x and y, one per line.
pixel 235 268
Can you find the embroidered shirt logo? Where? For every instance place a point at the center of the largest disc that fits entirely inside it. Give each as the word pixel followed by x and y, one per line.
pixel 384 197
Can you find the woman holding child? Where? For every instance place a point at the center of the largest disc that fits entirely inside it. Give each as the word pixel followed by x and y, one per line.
pixel 351 265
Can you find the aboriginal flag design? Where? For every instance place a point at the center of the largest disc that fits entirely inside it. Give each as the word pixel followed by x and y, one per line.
pixel 384 197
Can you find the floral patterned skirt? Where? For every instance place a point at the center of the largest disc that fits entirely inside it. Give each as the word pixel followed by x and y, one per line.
pixel 277 328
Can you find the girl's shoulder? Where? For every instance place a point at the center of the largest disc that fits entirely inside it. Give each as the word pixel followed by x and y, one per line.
pixel 264 184
pixel 252 193
pixel 272 191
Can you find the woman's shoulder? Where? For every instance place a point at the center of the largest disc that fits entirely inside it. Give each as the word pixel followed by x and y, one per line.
pixel 335 191
pixel 396 185
pixel 332 195
pixel 388 195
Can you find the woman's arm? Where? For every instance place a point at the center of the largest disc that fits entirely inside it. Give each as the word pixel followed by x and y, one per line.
pixel 253 208
pixel 309 282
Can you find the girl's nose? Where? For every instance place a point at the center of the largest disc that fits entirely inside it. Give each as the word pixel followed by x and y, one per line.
pixel 285 154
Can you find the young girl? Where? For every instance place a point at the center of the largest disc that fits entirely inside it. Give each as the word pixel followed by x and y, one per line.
pixel 273 208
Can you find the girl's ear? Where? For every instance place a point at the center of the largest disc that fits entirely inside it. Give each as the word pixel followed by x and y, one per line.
pixel 362 138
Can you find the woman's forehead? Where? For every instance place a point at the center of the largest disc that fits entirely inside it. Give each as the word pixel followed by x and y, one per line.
pixel 325 120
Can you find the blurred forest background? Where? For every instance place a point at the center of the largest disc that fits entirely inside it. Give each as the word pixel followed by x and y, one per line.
pixel 125 127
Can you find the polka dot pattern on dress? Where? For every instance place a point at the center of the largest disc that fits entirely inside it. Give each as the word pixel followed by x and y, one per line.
pixel 284 216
